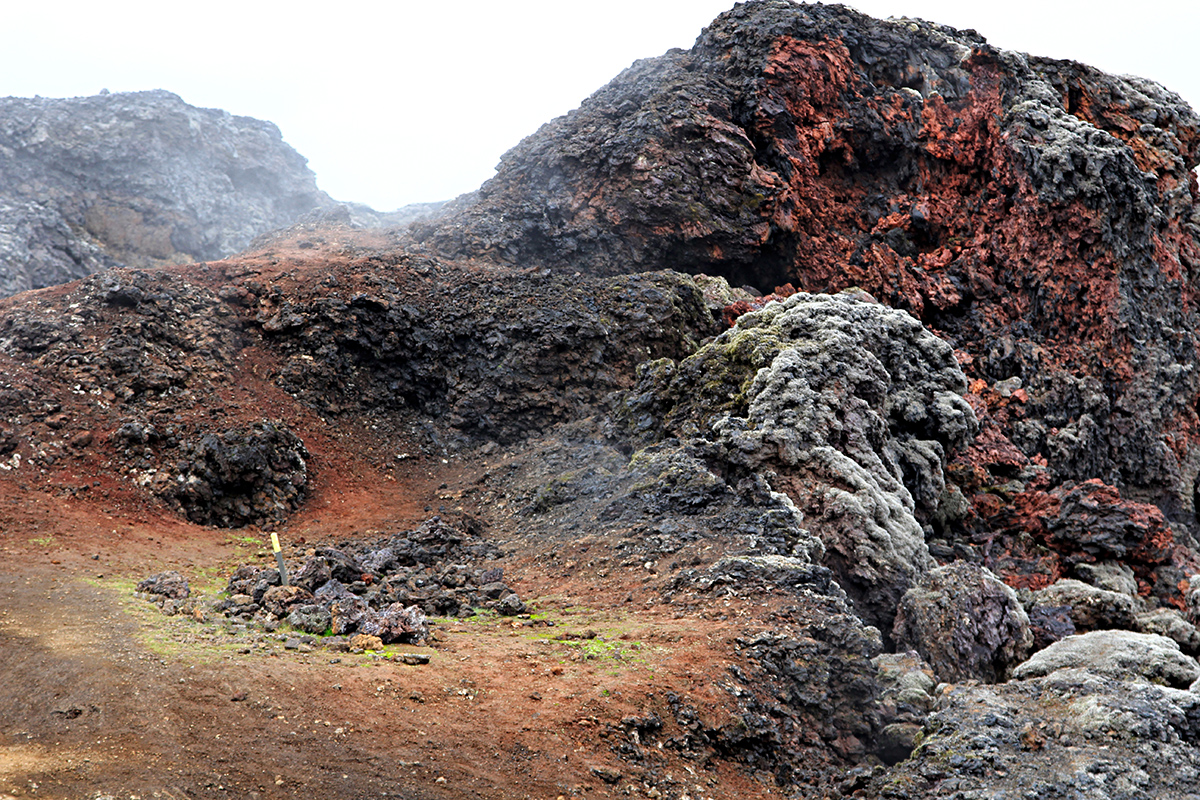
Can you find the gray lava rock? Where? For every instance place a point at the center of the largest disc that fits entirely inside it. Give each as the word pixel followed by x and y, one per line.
pixel 965 622
pixel 254 581
pixel 743 574
pixel 495 590
pixel 510 606
pixel 1092 608
pixel 1111 576
pixel 1170 623
pixel 1192 599
pixel 310 618
pixel 313 574
pixel 343 566
pixel 396 623
pixel 906 684
pixel 1122 655
pixel 169 585
pixel 1071 734
pixel 347 614
pixel 851 405
pixel 139 179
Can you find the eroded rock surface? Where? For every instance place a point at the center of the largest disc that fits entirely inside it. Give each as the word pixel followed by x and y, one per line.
pixel 850 405
pixel 965 622
pixel 1123 655
pixel 1070 734
pixel 966 355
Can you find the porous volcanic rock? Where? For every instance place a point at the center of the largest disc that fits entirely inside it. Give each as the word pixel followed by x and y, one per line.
pixel 1091 608
pixel 238 476
pixel 471 349
pixel 766 334
pixel 965 623
pixel 850 405
pixel 1039 214
pixel 1071 734
pixel 137 179
pixel 906 685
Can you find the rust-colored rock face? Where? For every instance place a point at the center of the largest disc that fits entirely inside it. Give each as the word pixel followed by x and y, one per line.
pixel 1038 214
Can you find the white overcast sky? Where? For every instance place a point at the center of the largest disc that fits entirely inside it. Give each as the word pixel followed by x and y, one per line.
pixel 399 101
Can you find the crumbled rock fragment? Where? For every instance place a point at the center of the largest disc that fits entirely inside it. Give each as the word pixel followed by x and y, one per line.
pixel 364 641
pixel 396 623
pixel 167 585
pixel 310 618
pixel 279 600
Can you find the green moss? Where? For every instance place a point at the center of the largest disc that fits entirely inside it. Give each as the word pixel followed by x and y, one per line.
pixel 558 490
pixel 717 379
pixel 599 649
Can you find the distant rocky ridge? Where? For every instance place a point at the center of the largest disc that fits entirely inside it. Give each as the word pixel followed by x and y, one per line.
pixel 137 179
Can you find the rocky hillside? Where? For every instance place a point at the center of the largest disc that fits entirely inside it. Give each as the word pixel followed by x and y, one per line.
pixel 1039 216
pixel 137 179
pixel 941 481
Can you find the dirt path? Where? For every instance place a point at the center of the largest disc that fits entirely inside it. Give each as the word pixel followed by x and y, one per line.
pixel 103 696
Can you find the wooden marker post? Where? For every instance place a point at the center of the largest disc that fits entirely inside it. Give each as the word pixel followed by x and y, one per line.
pixel 279 558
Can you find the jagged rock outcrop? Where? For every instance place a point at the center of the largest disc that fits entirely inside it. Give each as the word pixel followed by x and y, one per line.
pixel 471 349
pixel 136 179
pixel 1040 215
pixel 849 405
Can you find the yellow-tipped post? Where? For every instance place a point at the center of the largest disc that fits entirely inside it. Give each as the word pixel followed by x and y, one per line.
pixel 279 558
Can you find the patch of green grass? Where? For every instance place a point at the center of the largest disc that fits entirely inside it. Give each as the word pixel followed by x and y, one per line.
pixel 179 637
pixel 208 579
pixel 600 649
pixel 44 541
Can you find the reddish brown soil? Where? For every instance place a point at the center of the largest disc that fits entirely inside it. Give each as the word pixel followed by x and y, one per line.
pixel 102 695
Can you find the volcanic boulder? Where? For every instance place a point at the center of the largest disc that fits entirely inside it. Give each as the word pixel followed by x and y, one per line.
pixel 239 477
pixel 965 623
pixel 850 405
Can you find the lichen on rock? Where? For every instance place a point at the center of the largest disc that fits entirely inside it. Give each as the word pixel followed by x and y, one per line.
pixel 849 406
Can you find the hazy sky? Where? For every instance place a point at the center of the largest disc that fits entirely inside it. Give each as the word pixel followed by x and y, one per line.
pixel 397 102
